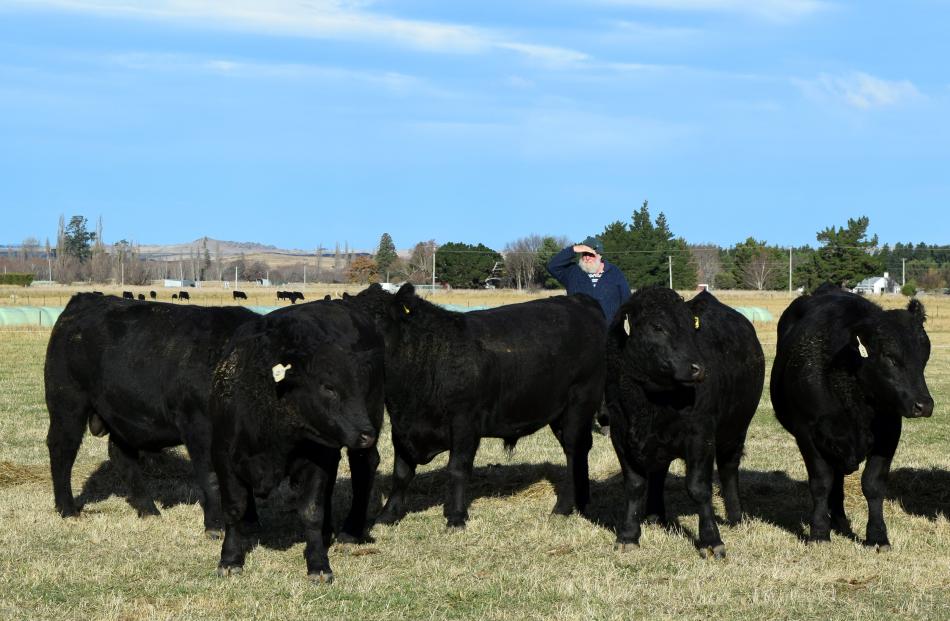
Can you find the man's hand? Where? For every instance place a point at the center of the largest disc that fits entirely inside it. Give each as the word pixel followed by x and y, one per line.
pixel 581 248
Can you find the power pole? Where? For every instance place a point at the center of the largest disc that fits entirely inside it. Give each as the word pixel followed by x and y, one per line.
pixel 669 259
pixel 433 268
pixel 903 272
pixel 789 270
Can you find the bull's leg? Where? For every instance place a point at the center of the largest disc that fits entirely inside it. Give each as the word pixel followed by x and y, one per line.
pixel 839 519
pixel 313 508
pixel 874 485
pixel 198 443
pixel 699 469
pixel 363 465
pixel 67 424
pixel 241 524
pixel 820 482
pixel 404 469
pixel 126 459
pixel 656 488
pixel 461 460
pixel 575 438
pixel 727 462
pixel 635 490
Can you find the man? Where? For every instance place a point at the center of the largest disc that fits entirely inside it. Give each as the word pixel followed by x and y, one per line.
pixel 600 280
pixel 591 275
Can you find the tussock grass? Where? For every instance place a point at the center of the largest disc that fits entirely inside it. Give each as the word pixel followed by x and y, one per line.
pixel 513 560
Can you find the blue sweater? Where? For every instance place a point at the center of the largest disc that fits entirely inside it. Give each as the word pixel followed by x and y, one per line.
pixel 611 291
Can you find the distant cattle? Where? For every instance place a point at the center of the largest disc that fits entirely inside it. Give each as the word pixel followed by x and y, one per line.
pixel 290 296
pixel 141 373
pixel 845 373
pixel 97 292
pixel 174 296
pixel 141 296
pixel 455 378
pixel 128 295
pixel 152 295
pixel 183 295
pixel 683 381
pixel 291 390
pixel 238 295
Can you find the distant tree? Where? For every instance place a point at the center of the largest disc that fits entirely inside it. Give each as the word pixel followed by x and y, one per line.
pixel 77 240
pixel 29 248
pixel 549 247
pixel 846 256
pixel 521 260
pixel 363 270
pixel 644 250
pixel 385 255
pixel 420 262
pixel 708 264
pixel 465 266
pixel 757 265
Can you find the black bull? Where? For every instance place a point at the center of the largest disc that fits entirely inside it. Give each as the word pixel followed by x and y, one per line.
pixel 141 373
pixel 290 390
pixel 454 378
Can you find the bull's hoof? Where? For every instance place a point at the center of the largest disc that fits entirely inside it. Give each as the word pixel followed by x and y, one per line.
pixel 229 570
pixel 147 512
pixel 879 547
pixel 324 576
pixel 717 552
pixel 214 533
pixel 387 518
pixel 71 512
pixel 626 546
pixel 453 526
pixel 346 538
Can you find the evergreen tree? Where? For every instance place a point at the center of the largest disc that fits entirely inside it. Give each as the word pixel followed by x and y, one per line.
pixel 465 266
pixel 846 256
pixel 385 255
pixel 550 246
pixel 77 240
pixel 643 251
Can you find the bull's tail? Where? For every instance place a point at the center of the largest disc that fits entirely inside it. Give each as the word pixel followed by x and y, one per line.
pixel 510 446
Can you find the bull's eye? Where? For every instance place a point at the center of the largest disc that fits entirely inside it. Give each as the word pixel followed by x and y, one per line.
pixel 328 390
pixel 658 328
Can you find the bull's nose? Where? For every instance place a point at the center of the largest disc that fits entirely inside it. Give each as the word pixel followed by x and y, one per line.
pixel 923 409
pixel 366 440
pixel 697 372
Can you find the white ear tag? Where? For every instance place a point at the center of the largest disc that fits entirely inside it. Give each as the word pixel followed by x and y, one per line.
pixel 626 325
pixel 862 349
pixel 279 371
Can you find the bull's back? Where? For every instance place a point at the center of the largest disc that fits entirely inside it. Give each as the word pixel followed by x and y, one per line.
pixel 135 363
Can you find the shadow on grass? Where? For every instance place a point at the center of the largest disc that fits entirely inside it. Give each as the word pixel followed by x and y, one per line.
pixel 770 496
pixel 925 493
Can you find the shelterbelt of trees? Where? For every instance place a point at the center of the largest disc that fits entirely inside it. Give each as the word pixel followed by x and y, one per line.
pixel 645 248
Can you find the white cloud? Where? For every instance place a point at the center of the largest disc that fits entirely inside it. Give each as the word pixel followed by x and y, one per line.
pixel 776 10
pixel 347 20
pixel 860 90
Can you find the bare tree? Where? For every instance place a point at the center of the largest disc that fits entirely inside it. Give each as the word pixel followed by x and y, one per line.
pixel 758 269
pixel 521 259
pixel 706 259
pixel 420 262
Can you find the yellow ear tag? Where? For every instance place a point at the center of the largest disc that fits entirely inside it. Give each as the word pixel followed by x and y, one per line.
pixel 696 321
pixel 279 371
pixel 405 309
pixel 862 349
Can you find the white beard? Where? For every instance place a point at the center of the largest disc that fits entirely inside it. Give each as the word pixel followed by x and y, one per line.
pixel 592 267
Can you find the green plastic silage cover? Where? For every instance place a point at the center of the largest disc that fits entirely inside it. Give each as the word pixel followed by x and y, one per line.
pixel 29 315
pixel 754 313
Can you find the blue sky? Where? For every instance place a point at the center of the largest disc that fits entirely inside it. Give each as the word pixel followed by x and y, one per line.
pixel 306 123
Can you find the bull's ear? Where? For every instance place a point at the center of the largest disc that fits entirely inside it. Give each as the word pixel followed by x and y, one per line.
pixel 915 308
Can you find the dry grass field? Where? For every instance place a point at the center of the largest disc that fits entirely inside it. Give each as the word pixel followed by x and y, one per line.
pixel 513 561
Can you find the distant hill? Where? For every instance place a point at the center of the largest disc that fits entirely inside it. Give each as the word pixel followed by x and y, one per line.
pixel 227 249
